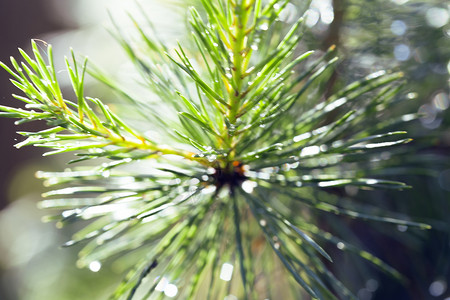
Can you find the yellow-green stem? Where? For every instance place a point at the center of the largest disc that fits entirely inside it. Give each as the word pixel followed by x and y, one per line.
pixel 143 145
pixel 238 45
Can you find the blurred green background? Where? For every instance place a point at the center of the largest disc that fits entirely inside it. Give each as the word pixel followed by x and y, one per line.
pixel 413 36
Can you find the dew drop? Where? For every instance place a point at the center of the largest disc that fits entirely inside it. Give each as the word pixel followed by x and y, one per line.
pixel 226 272
pixel 412 95
pixel 264 27
pixel 161 284
pixel 212 158
pixel 294 165
pixel 248 186
pixel 310 150
pixel 95 266
pixel 372 181
pixel 67 213
pixel 171 290
pixel 340 246
pixel 402 228
pixel 209 190
pixel 286 167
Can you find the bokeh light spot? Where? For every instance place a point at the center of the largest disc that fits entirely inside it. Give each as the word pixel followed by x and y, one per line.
pixel 441 101
pixel 402 52
pixel 364 294
pixel 398 27
pixel 372 285
pixel 437 17
pixel 312 17
pixel 437 288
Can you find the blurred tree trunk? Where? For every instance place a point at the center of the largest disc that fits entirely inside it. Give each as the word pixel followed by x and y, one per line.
pixel 333 37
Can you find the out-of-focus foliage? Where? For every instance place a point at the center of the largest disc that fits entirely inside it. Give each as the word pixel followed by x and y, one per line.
pixel 413 36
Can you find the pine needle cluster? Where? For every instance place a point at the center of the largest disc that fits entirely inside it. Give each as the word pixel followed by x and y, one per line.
pixel 226 202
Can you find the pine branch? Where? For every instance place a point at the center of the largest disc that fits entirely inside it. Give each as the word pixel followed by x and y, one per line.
pixel 86 124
